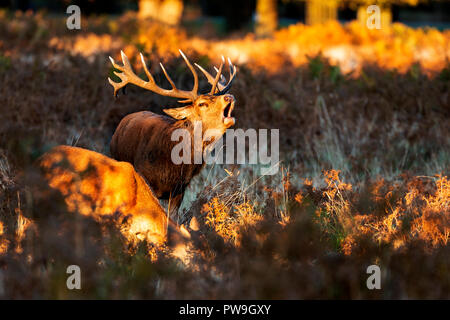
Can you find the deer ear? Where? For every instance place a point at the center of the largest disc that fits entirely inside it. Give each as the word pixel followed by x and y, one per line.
pixel 179 113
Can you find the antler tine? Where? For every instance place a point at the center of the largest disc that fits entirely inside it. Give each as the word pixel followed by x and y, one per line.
pixel 194 73
pixel 222 78
pixel 167 76
pixel 230 82
pixel 208 76
pixel 127 75
pixel 149 75
pixel 217 78
pixel 223 88
pixel 117 85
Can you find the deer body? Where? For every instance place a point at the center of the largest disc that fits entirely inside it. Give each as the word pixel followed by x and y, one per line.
pixel 95 185
pixel 144 139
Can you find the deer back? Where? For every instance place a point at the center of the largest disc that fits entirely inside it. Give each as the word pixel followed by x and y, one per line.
pixel 95 185
pixel 144 139
pixel 140 132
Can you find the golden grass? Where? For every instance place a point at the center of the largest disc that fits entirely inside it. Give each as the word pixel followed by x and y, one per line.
pixel 359 152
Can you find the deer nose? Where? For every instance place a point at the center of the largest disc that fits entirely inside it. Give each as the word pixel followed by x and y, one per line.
pixel 228 98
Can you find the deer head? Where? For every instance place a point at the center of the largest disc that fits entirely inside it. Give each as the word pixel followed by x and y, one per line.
pixel 212 109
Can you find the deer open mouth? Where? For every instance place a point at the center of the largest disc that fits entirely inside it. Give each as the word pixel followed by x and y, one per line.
pixel 227 118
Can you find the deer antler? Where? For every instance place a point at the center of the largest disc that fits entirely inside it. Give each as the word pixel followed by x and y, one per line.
pixel 127 76
pixel 215 81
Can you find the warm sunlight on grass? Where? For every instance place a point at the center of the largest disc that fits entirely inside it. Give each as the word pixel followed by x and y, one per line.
pixel 364 176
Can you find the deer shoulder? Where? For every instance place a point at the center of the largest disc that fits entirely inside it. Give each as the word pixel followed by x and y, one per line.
pixel 95 185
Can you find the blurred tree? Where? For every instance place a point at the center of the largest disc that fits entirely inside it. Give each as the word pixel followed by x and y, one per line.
pixel 385 9
pixel 266 17
pixel 167 11
pixel 321 11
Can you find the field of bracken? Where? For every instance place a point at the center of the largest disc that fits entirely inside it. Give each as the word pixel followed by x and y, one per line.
pixel 364 120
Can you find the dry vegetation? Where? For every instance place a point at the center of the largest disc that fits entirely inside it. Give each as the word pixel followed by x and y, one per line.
pixel 364 121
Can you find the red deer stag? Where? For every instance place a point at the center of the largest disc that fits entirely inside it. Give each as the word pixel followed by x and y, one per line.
pixel 144 138
pixel 95 185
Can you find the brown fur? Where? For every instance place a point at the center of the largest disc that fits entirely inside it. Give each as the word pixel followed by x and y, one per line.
pixel 144 140
pixel 95 185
